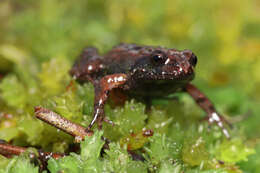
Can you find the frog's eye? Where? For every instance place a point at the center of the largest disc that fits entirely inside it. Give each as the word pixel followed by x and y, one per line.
pixel 157 57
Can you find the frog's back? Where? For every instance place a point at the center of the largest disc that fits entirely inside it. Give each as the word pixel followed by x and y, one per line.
pixel 123 57
pixel 91 65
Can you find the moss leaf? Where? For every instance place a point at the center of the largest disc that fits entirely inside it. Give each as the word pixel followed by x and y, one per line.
pixel 13 92
pixel 162 149
pixel 21 164
pixel 54 75
pixel 233 151
pixel 118 160
pixel 68 164
pixel 91 146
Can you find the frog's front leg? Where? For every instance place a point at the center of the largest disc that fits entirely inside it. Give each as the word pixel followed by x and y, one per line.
pixel 208 107
pixel 102 89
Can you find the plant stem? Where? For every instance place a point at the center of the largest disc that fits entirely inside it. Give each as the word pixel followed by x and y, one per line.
pixel 9 150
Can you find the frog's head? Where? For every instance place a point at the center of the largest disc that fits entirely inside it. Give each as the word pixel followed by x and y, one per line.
pixel 167 64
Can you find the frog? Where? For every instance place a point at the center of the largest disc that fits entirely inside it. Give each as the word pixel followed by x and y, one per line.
pixel 143 73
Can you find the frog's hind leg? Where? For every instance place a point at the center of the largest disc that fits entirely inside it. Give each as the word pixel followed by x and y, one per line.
pixel 102 89
pixel 87 65
pixel 208 107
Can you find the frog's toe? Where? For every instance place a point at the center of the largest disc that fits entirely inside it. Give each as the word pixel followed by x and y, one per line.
pixel 105 119
pixel 220 121
pixel 109 121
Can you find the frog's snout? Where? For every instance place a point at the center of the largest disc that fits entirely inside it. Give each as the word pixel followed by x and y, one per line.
pixel 193 59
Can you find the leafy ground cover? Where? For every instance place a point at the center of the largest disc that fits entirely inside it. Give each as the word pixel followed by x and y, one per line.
pixel 40 40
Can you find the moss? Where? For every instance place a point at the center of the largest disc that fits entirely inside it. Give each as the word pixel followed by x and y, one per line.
pixel 233 151
pixel 194 152
pixel 20 164
pixel 14 93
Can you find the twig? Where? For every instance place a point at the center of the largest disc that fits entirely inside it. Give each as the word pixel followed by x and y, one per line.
pixel 9 150
pixel 52 118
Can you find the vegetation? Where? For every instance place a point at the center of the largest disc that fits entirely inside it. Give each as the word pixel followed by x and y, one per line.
pixel 39 41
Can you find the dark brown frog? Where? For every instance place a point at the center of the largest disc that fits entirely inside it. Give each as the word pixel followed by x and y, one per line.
pixel 143 73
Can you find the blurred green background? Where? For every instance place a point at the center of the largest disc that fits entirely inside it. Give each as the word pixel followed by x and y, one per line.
pixel 42 38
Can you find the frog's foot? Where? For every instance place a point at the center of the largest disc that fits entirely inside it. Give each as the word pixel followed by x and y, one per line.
pixel 109 121
pixel 220 121
pixel 210 119
pixel 208 107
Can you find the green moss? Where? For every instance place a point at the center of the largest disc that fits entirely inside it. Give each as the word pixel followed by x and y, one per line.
pixel 159 121
pixel 162 149
pixel 67 164
pixel 129 119
pixel 20 165
pixel 118 160
pixel 13 92
pixel 87 161
pixel 115 160
pixel 233 151
pixel 32 129
pixel 91 146
pixel 194 152
pixel 253 161
pixel 54 76
pixel 9 133
pixel 134 141
pixel 168 167
pixel 3 162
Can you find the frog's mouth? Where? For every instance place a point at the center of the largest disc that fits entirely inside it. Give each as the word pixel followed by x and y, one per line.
pixel 174 73
pixel 172 77
pixel 167 77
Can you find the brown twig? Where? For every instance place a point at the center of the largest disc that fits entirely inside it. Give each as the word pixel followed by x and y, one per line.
pixel 9 150
pixel 52 118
